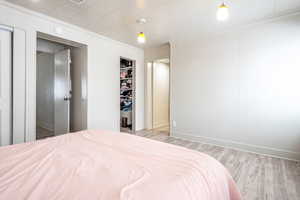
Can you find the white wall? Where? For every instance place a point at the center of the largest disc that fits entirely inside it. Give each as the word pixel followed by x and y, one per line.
pixel 103 67
pixel 45 91
pixel 160 94
pixel 241 88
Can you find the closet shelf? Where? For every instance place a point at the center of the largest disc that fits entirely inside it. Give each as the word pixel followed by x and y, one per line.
pixel 125 68
pixel 122 79
pixel 126 89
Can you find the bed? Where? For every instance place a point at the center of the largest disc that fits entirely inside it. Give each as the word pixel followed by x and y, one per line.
pixel 110 166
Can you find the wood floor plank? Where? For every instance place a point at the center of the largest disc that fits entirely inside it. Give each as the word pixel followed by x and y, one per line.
pixel 290 177
pixel 252 187
pixel 269 179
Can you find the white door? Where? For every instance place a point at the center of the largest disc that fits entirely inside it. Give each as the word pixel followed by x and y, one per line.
pixel 62 92
pixel 5 88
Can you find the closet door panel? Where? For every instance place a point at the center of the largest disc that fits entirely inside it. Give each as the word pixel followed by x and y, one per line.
pixel 5 88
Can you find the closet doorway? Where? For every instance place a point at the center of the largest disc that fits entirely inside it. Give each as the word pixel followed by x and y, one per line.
pixel 61 101
pixel 158 95
pixel 127 95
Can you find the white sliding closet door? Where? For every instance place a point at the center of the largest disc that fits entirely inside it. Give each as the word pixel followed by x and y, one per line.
pixel 5 88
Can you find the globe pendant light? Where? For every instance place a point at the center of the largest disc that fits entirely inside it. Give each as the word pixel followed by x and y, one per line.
pixel 223 12
pixel 141 38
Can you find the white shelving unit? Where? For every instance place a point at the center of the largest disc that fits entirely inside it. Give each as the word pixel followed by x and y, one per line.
pixel 127 95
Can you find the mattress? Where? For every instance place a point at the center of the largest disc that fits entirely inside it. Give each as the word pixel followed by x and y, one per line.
pixel 110 166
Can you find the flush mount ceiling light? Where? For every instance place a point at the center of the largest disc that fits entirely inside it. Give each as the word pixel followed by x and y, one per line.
pixel 78 2
pixel 141 21
pixel 223 12
pixel 141 38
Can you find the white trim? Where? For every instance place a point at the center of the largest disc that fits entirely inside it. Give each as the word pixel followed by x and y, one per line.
pixel 277 153
pixel 6 28
pixel 19 86
pixel 30 134
pixel 171 119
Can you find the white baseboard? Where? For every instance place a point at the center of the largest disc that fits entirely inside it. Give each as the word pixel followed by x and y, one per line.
pixel 278 153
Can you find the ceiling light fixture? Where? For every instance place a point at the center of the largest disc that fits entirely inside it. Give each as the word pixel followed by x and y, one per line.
pixel 141 38
pixel 223 12
pixel 78 2
pixel 141 21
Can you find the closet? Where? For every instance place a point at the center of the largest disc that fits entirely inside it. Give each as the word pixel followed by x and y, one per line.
pixel 127 95
pixel 61 69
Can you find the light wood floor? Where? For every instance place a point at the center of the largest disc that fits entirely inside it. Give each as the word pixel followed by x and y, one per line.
pixel 165 130
pixel 258 177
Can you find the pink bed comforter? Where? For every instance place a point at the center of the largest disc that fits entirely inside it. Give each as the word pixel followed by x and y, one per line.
pixel 110 166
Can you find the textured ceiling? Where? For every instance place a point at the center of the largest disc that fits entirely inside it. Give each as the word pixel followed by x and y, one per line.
pixel 167 19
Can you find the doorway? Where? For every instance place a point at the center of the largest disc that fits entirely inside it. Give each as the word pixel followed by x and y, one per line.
pixel 61 101
pixel 158 95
